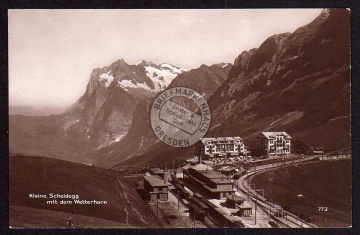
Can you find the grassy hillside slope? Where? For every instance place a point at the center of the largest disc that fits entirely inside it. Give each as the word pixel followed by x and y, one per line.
pixel 325 183
pixel 19 218
pixel 26 174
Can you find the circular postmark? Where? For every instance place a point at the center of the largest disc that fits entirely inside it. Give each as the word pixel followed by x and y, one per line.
pixel 180 116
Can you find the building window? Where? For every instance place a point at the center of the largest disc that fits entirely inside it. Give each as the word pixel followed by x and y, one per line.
pixel 163 197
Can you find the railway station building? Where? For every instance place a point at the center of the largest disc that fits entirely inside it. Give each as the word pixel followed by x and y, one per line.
pixel 213 184
pixel 157 171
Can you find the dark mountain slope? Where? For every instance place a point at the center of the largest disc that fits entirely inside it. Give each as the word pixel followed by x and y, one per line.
pixel 304 79
pixel 299 83
pixel 140 138
pixel 104 113
pixel 90 183
pixel 205 79
pixel 98 118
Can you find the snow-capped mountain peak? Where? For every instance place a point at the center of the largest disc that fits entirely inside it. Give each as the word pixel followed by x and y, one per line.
pixel 144 75
pixel 107 78
pixel 223 65
pixel 129 83
pixel 162 75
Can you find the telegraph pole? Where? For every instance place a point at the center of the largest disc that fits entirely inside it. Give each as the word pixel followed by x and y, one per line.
pixel 157 206
pixel 178 193
pixel 255 202
pixel 269 213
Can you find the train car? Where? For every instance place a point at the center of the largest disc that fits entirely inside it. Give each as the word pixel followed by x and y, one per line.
pixel 233 222
pixel 183 193
pixel 196 212
pixel 198 195
pixel 200 204
pixel 205 201
pixel 219 214
pixel 177 181
pixel 225 219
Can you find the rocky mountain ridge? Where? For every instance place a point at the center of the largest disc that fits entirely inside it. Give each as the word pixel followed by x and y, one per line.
pixel 140 137
pixel 296 82
pixel 104 113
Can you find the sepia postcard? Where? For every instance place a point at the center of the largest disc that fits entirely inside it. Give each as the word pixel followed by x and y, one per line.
pixel 206 118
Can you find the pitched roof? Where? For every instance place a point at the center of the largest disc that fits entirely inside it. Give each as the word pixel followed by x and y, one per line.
pixel 201 167
pixel 273 134
pixel 155 180
pixel 156 170
pixel 186 167
pixel 245 205
pixel 215 176
pixel 235 198
pixel 227 167
pixel 207 140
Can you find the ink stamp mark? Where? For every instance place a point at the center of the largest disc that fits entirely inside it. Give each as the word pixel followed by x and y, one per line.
pixel 175 124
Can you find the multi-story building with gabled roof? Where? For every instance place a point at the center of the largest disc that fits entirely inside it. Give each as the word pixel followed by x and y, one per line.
pixel 273 143
pixel 221 146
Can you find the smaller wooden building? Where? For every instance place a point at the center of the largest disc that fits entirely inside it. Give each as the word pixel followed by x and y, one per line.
pixel 155 188
pixel 245 209
pixel 233 201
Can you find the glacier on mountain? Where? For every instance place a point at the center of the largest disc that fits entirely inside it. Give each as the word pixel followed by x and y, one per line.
pixel 107 78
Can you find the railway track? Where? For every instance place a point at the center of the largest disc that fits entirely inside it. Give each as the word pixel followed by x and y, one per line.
pixel 291 220
pixel 122 196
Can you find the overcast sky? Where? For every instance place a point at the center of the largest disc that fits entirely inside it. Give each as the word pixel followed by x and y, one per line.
pixel 52 52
